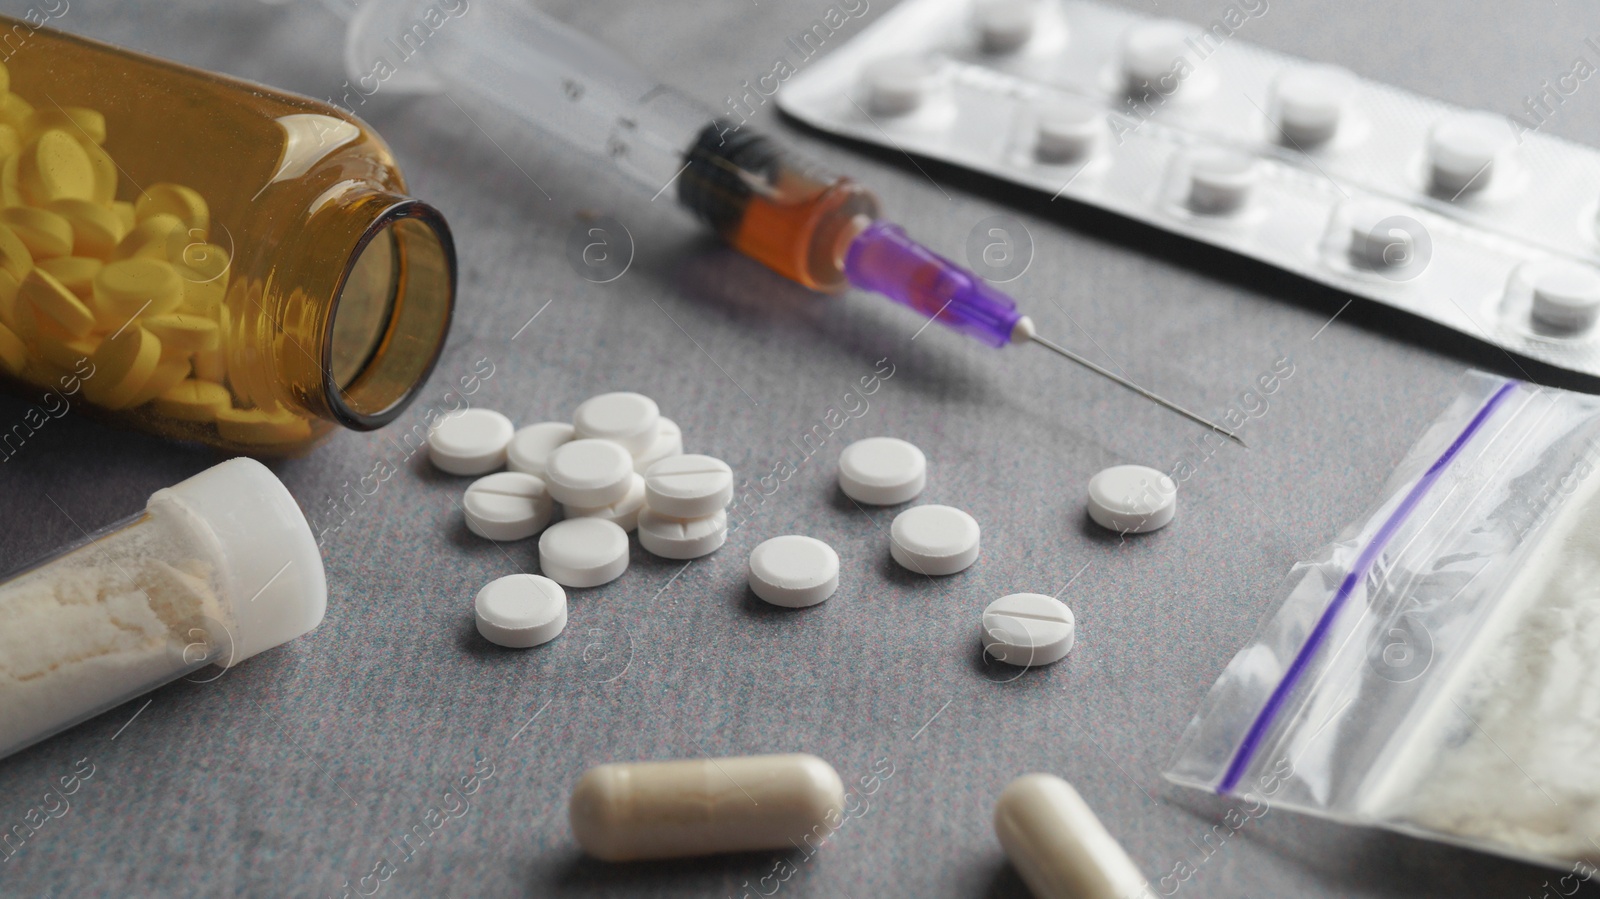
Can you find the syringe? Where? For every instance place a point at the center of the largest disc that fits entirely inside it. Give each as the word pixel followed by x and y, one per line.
pixel 815 229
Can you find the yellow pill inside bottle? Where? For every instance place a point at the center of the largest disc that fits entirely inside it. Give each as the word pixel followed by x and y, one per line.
pixel 14 255
pixel 55 166
pixel 194 399
pixel 76 273
pixel 135 287
pixel 43 232
pixel 185 332
pixel 78 121
pixel 52 299
pixel 184 203
pixel 160 236
pixel 123 364
pixel 96 230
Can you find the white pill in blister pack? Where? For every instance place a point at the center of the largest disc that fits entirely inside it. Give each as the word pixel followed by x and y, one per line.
pixel 794 571
pixel 1004 26
pixel 507 505
pixel 1401 199
pixel 898 85
pixel 1464 150
pixel 1566 296
pixel 589 473
pixel 1219 180
pixel 521 610
pixel 934 540
pixel 1067 130
pixel 472 441
pixel 583 552
pixel 1308 104
pixel 530 447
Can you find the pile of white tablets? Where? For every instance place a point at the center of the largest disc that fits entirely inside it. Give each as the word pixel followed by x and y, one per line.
pixel 617 467
pixel 620 466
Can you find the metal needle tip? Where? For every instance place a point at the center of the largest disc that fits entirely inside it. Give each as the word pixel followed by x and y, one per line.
pixel 1161 401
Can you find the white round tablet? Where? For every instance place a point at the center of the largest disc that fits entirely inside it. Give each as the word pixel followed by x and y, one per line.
pixel 934 539
pixel 625 418
pixel 1150 56
pixel 1463 149
pixel 589 473
pixel 690 486
pixel 1028 629
pixel 1566 295
pixel 531 446
pixel 1309 102
pixel 624 513
pixel 1005 25
pixel 1382 234
pixel 1219 181
pixel 1067 130
pixel 675 538
pixel 794 571
pixel 668 442
pixel 882 471
pixel 471 441
pixel 521 610
pixel 583 552
pixel 507 505
pixel 1132 499
pixel 897 85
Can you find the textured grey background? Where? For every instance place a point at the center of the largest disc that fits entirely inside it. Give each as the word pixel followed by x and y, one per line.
pixel 293 774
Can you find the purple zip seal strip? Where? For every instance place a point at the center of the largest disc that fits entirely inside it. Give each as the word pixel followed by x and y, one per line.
pixel 1245 754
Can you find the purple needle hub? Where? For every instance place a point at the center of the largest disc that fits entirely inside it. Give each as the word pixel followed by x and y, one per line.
pixel 884 260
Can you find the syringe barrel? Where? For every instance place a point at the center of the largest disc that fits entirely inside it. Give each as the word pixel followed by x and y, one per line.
pixel 883 259
pixel 509 58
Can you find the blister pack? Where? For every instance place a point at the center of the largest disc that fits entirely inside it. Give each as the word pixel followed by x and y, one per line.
pixel 1476 221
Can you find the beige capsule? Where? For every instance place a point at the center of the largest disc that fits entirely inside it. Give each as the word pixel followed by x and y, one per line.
pixel 689 807
pixel 1058 845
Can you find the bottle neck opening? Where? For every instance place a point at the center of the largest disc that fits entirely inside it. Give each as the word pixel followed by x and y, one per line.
pixel 390 314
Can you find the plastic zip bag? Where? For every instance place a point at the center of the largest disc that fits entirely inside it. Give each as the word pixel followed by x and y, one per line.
pixel 1436 670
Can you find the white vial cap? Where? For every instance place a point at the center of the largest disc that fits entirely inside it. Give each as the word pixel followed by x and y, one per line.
pixel 1067 130
pixel 1309 102
pixel 1463 150
pixel 1132 499
pixel 1004 26
pixel 1566 295
pixel 271 576
pixel 1220 181
pixel 897 85
pixel 1150 54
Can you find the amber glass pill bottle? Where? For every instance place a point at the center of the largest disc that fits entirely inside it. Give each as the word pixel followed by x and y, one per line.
pixel 205 258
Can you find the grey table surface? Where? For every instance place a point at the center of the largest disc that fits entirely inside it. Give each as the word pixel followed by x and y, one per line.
pixel 297 773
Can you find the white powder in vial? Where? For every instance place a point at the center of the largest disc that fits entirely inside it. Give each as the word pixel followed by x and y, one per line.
pixel 1510 751
pixel 105 622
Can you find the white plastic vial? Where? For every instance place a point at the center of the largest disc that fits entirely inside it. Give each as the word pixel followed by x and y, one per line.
pixel 217 568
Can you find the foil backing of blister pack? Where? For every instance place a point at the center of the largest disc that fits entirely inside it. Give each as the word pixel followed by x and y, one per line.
pixel 1050 95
